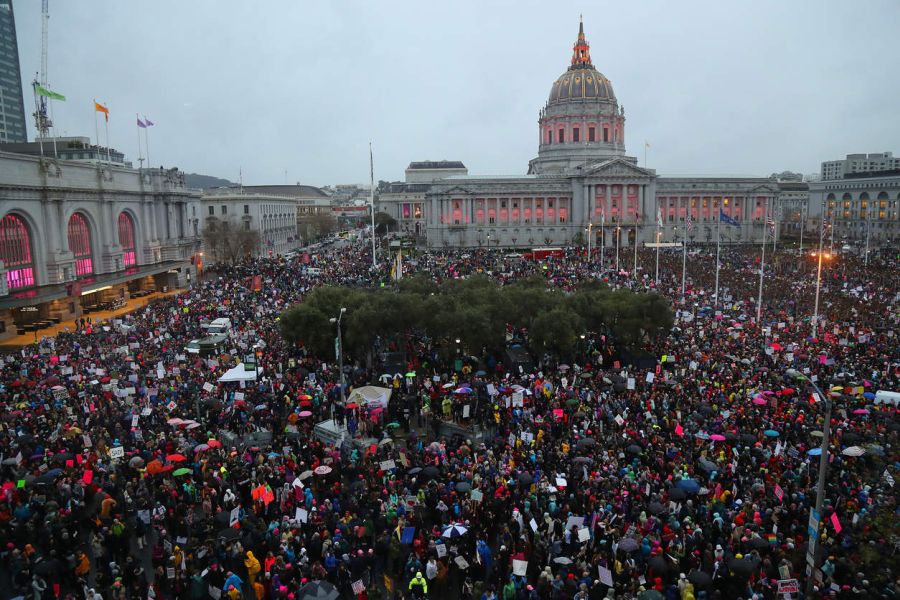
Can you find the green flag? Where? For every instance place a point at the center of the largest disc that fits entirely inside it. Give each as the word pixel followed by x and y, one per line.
pixel 42 91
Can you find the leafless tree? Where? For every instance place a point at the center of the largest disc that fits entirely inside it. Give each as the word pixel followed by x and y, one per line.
pixel 227 241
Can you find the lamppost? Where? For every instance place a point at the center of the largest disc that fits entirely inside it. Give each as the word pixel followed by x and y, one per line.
pixel 339 350
pixel 589 227
pixel 814 547
pixel 815 320
pixel 618 235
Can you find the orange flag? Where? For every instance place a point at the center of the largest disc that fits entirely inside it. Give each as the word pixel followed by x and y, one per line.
pixel 100 108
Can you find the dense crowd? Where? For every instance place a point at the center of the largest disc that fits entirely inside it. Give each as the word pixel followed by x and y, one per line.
pixel 130 471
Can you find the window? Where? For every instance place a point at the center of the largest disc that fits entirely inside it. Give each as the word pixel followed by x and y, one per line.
pixel 576 134
pixel 592 134
pixel 606 134
pixel 212 211
pixel 15 251
pixel 562 136
pixel 224 209
pixel 246 209
pixel 80 244
pixel 126 239
pixel 549 137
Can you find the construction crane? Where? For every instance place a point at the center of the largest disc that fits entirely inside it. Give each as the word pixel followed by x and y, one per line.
pixel 42 120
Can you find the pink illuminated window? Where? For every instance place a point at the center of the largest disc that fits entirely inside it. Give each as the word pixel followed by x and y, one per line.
pixel 126 239
pixel 563 214
pixel 479 216
pixel 15 251
pixel 80 244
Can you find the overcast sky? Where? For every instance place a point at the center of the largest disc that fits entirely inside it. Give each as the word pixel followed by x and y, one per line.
pixel 295 90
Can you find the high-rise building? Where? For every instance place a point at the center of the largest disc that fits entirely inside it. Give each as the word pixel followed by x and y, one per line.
pixel 12 104
pixel 859 163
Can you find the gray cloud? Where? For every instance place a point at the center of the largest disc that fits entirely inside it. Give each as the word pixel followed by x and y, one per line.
pixel 275 86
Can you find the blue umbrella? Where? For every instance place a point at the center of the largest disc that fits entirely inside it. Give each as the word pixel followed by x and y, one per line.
pixel 868 395
pixel 770 433
pixel 688 485
pixel 454 531
pixel 815 452
pixel 463 390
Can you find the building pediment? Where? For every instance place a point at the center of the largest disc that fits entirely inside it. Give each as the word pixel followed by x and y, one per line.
pixel 615 167
pixel 764 188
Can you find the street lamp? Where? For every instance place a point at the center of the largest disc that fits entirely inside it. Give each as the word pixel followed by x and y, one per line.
pixel 814 547
pixel 589 228
pixel 618 235
pixel 339 350
pixel 815 321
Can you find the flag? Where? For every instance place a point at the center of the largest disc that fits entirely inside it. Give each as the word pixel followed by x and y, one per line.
pixel 42 91
pixel 141 124
pixel 689 223
pixel 646 144
pixel 148 122
pixel 100 108
pixel 726 219
pixel 659 220
pixel 771 223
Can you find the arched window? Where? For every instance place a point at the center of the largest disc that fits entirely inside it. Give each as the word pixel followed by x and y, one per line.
pixel 80 244
pixel 15 251
pixel 126 239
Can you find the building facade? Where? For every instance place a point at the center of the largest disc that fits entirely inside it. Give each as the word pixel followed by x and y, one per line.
pixel 74 235
pixel 273 218
pixel 68 148
pixel 12 104
pixel 583 182
pixel 404 201
pixel 858 206
pixel 859 163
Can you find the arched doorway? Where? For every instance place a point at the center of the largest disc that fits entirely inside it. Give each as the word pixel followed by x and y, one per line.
pixel 126 239
pixel 79 235
pixel 15 251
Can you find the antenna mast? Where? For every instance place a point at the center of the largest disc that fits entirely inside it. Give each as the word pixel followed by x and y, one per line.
pixel 42 120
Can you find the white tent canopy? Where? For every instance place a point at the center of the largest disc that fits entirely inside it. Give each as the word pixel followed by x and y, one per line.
pixel 238 373
pixel 370 396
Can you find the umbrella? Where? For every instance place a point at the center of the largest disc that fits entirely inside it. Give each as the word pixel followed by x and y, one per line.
pixel 392 424
pixel 304 397
pixel 180 472
pixel 688 485
pixel 629 544
pixel 875 449
pixel 582 460
pixel 717 437
pixel 463 390
pixel 564 368
pixel 817 434
pixel 305 475
pixel 701 435
pixel 655 508
pixel 659 565
pixel 214 444
pixel 868 395
pixel 228 533
pixel 748 438
pixel 463 486
pixel 175 421
pixel 525 478
pixel 201 448
pixel 154 467
pixel 193 426
pixel 731 437
pixel 562 560
pixel 176 458
pixel 352 406
pixel 860 411
pixel 430 472
pixel 411 374
pixel 677 494
pixel 815 452
pixel 136 463
pixel 853 451
pixel 385 442
pixel 771 433
pixel 586 443
pixel 454 531
pixel 742 566
pixel 323 470
pixel 634 449
pixel 759 400
pixel 304 413
pixel 708 465
pixel 850 437
pixel 414 471
pixel 758 543
pixel 700 578
pixel 650 595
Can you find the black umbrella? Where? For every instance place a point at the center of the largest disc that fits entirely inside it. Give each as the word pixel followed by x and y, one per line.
pixel 430 472
pixel 634 449
pixel 586 443
pixel 850 437
pixel 731 437
pixel 414 471
pixel 748 438
pixel 318 590
pixel 463 486
pixel 656 508
pixel 700 578
pixel 742 566
pixel 758 543
pixel 229 534
pixel 628 545
pixel 677 494
pixel 708 465
pixel 582 460
pixel 525 478
pixel 61 458
pixel 659 565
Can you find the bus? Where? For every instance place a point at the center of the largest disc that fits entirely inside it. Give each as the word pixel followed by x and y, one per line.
pixel 544 253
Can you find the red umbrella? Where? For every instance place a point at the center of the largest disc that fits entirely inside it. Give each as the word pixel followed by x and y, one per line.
pixel 352 405
pixel 214 444
pixel 305 403
pixel 176 457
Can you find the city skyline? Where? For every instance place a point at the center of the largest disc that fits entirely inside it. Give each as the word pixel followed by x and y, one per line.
pixel 466 83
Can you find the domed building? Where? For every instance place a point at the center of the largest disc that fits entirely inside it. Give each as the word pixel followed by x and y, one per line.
pixel 582 121
pixel 582 183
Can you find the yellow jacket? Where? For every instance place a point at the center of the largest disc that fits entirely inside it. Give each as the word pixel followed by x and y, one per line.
pixel 252 564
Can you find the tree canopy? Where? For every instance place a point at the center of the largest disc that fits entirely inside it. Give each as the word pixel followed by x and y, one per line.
pixel 476 311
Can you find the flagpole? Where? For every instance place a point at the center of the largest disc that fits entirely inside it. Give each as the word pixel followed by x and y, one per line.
pixel 138 127
pixel 97 131
pixel 802 227
pixel 53 134
pixel 762 270
pixel 37 118
pixel 718 247
pixel 147 142
pixel 372 199
pixel 106 119
pixel 658 219
pixel 618 235
pixel 635 243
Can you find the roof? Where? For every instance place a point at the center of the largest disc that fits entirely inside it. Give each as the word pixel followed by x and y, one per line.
pixel 290 191
pixel 436 164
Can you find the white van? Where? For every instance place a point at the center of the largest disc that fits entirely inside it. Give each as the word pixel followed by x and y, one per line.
pixel 219 326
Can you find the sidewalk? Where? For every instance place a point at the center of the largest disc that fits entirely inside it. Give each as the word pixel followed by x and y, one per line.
pixel 96 317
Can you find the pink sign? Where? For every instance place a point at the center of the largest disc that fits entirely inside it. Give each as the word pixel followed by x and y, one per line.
pixel 836 523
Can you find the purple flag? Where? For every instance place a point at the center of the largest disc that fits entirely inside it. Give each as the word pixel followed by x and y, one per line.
pixel 147 122
pixel 141 124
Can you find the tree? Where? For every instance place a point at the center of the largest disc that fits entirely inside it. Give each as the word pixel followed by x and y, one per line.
pixel 226 241
pixel 316 225
pixel 384 223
